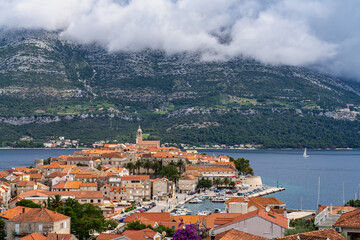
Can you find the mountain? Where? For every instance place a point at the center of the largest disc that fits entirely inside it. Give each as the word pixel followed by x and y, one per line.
pixel 52 87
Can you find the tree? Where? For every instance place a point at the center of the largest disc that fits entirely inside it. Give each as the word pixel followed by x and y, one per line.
pixel 147 165
pixel 300 226
pixel 181 165
pixel 217 182
pixel 85 218
pixel 155 166
pixel 232 184
pixel 131 167
pixel 2 230
pixel 353 203
pixel 28 203
pixel 243 166
pixel 54 202
pixel 170 171
pixel 98 167
pixel 204 183
pixel 136 225
pixel 138 165
pixel 226 181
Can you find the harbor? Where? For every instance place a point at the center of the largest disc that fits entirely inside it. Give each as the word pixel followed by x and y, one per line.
pixel 210 201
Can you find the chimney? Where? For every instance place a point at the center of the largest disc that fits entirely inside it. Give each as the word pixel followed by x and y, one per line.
pixel 212 235
pixel 23 210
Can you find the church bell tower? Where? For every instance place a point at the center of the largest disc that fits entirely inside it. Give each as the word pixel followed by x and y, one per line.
pixel 139 137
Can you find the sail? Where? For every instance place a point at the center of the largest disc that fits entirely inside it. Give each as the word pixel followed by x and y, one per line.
pixel 305 154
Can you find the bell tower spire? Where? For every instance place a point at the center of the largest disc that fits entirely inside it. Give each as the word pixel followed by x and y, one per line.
pixel 139 136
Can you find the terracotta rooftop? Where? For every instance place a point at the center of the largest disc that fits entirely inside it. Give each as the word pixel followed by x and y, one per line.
pixel 34 236
pixel 10 213
pixel 233 234
pixel 152 216
pixel 140 234
pixel 209 169
pixel 58 236
pixel 26 183
pixel 272 217
pixel 349 219
pixel 39 215
pixel 55 174
pixel 108 236
pixel 325 234
pixel 135 177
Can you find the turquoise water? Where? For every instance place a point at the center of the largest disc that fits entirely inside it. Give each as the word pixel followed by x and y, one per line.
pixel 205 205
pixel 297 174
pixel 300 175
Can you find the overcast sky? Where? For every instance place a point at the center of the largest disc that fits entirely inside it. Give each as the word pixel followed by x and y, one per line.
pixel 320 33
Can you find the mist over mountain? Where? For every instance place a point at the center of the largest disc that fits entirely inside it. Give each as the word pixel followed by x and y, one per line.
pixel 319 34
pixel 51 86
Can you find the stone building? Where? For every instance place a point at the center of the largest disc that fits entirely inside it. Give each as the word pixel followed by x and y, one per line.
pixel 39 220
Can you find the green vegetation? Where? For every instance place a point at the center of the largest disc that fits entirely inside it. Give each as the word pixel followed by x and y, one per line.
pixel 85 218
pixel 353 203
pixel 300 226
pixel 204 183
pixel 129 209
pixel 2 230
pixel 170 171
pixel 82 92
pixel 243 166
pixel 137 225
pixel 27 203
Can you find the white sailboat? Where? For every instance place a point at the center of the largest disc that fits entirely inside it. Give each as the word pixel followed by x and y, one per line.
pixel 305 154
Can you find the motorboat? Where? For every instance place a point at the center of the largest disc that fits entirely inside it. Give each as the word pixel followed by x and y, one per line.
pixel 195 200
pixel 218 199
pixel 204 213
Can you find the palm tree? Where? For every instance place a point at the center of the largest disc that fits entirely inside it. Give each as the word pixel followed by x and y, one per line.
pixel 131 167
pixel 147 165
pixel 232 184
pixel 180 164
pixel 226 181
pixel 138 165
pixel 217 182
pixel 56 201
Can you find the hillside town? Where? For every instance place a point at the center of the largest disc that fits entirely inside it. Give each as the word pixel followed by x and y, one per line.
pixel 142 191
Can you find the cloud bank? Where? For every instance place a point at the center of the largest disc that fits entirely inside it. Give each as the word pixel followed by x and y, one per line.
pixel 321 33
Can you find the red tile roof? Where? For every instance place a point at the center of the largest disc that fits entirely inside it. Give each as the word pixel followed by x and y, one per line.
pixel 273 217
pixel 39 215
pixel 58 236
pixel 108 236
pixel 140 234
pixel 233 234
pixel 135 177
pixel 34 236
pixel 349 219
pixel 152 216
pixel 325 234
pixel 10 213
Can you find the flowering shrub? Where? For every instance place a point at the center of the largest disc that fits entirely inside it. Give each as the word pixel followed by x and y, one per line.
pixel 189 232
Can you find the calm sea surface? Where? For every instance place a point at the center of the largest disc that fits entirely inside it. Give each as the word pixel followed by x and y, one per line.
pixel 297 174
pixel 300 175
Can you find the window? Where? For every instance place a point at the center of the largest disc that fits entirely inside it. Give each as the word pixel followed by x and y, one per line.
pixel 40 227
pixel 61 225
pixel 29 227
pixel 17 226
pixel 91 200
pixel 64 224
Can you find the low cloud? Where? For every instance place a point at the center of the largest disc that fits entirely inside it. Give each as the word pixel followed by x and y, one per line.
pixel 315 33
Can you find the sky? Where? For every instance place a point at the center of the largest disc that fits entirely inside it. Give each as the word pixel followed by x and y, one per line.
pixel 322 34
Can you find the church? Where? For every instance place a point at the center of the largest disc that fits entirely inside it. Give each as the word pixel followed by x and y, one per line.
pixel 145 144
